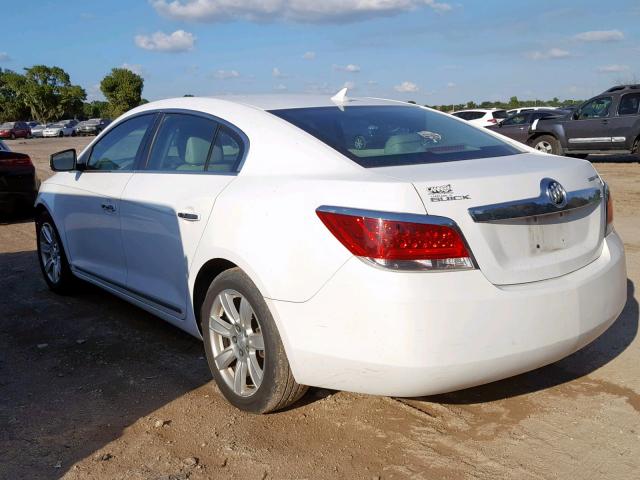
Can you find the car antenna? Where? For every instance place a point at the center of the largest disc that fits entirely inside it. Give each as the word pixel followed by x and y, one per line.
pixel 341 98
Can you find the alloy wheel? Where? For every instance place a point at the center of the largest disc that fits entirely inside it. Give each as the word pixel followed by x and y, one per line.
pixel 50 254
pixel 237 342
pixel 544 146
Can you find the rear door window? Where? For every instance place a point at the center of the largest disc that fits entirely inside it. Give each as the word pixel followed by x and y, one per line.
pixel 629 104
pixel 469 115
pixel 227 152
pixel 380 136
pixel 500 114
pixel 182 144
pixel 519 119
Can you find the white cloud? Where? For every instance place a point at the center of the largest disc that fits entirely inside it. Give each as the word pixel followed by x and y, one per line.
pixel 552 53
pixel 281 87
pixel 135 68
pixel 305 11
pixel 309 56
pixel 451 85
pixel 4 57
pixel 276 73
pixel 349 85
pixel 226 74
pixel 613 68
pixel 178 41
pixel 600 36
pixel 406 87
pixel 351 68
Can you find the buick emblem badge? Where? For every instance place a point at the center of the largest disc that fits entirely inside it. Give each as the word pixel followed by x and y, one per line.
pixel 556 193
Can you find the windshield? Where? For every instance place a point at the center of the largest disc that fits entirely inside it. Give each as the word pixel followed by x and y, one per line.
pixel 383 136
pixel 56 125
pixel 7 125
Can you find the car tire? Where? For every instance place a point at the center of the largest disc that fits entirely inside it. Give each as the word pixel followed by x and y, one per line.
pixel 359 142
pixel 546 144
pixel 51 256
pixel 61 134
pixel 253 379
pixel 636 149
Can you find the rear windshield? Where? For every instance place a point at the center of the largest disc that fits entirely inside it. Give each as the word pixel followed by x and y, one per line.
pixel 469 115
pixel 504 114
pixel 388 136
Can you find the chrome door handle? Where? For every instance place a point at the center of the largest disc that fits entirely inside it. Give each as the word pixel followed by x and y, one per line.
pixel 107 207
pixel 192 217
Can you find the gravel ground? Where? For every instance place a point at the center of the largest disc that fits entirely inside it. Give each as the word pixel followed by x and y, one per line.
pixel 94 388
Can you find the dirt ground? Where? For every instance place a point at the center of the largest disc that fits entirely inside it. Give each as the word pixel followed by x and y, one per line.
pixel 94 388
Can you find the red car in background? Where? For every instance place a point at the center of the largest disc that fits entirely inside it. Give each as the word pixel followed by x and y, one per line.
pixel 15 130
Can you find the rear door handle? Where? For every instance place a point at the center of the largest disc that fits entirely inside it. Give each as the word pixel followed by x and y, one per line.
pixel 108 207
pixel 192 217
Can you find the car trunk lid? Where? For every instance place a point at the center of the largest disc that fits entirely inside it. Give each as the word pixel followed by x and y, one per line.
pixel 515 231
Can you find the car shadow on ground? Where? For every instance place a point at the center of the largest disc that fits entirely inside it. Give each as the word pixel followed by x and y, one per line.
pixel 76 370
pixel 595 355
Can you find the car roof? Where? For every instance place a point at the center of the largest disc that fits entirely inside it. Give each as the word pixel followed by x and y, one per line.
pixel 285 101
pixel 482 110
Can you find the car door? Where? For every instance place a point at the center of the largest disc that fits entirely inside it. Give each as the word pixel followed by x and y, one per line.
pixel 625 124
pixel 515 127
pixel 166 205
pixel 88 205
pixel 589 128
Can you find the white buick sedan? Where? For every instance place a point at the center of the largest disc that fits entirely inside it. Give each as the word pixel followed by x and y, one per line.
pixel 431 257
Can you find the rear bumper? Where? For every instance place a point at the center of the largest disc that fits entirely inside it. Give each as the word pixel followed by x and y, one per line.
pixel 20 187
pixel 409 334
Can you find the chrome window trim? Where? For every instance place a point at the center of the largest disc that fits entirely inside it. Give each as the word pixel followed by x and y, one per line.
pixel 538 206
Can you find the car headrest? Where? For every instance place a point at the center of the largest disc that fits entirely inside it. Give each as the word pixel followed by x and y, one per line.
pixel 196 151
pixel 405 143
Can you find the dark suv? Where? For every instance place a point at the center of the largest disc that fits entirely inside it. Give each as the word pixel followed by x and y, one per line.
pixel 608 123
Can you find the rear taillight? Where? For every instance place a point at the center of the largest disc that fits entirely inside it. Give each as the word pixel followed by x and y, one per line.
pixel 399 241
pixel 21 161
pixel 609 210
pixel 492 120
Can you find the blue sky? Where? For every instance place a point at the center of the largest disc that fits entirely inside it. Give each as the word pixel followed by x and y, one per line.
pixel 430 51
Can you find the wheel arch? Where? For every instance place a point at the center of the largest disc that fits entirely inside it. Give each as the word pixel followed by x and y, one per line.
pixel 207 273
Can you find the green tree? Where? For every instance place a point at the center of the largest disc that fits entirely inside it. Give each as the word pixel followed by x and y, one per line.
pixel 48 93
pixel 11 105
pixel 123 90
pixel 95 109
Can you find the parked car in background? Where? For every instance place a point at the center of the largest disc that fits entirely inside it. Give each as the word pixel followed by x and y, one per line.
pixel 445 257
pixel 93 126
pixel 65 128
pixel 482 117
pixel 36 132
pixel 18 180
pixel 517 126
pixel 15 130
pixel 528 109
pixel 607 123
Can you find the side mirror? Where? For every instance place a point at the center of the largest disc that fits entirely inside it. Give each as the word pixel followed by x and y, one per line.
pixel 575 115
pixel 64 161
